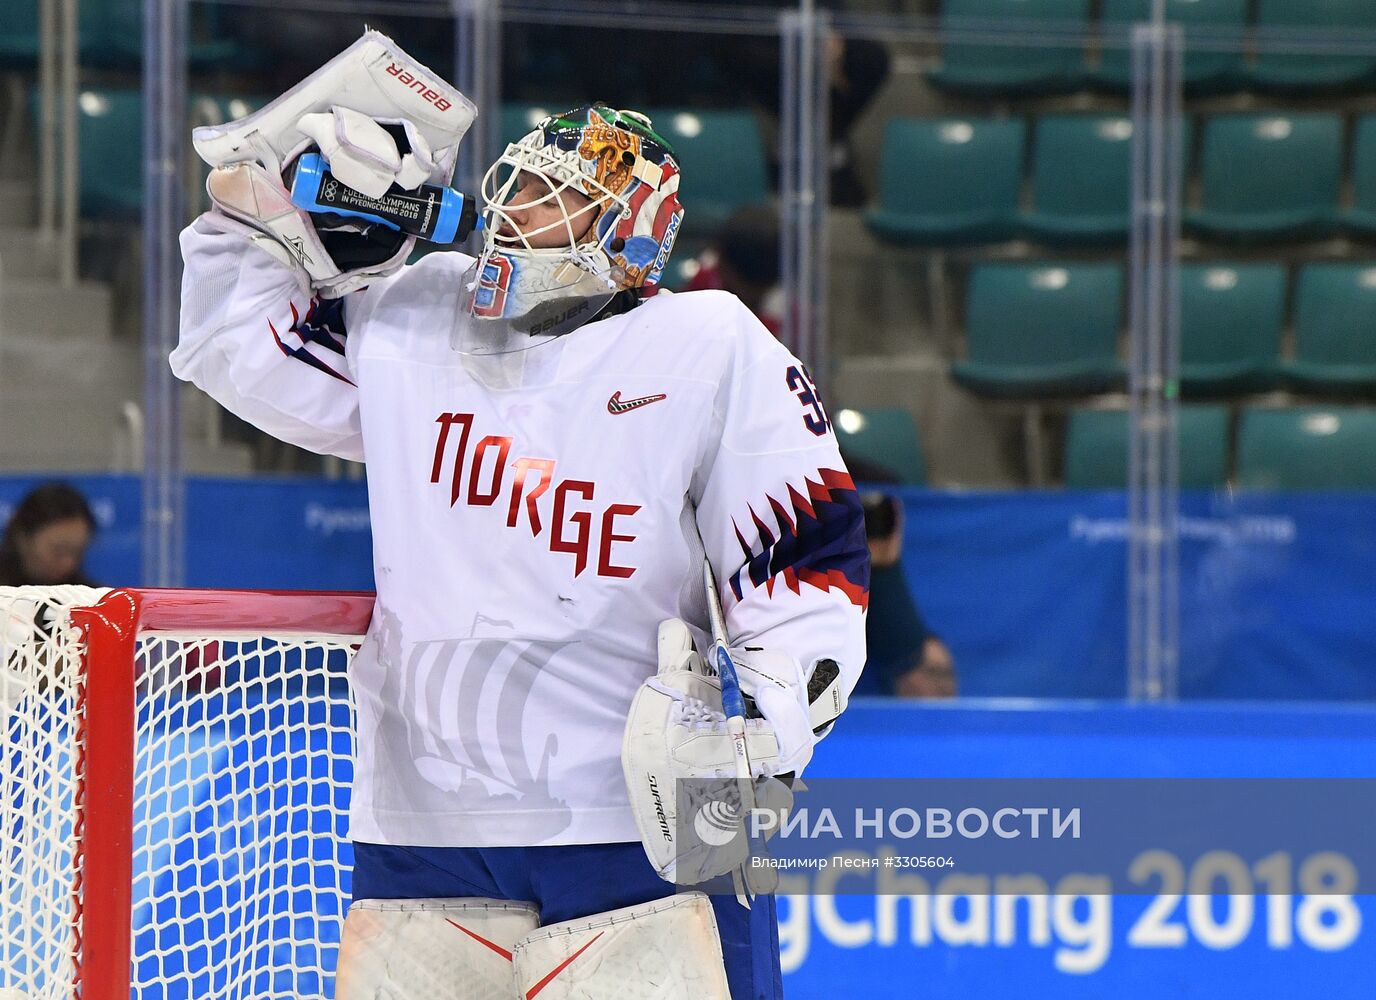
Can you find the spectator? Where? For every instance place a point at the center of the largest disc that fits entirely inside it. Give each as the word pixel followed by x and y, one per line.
pixel 905 659
pixel 744 260
pixel 855 70
pixel 45 541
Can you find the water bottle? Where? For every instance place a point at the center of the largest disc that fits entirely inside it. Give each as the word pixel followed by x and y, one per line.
pixel 430 212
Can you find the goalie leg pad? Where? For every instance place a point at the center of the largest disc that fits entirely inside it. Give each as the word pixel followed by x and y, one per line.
pixel 667 949
pixel 431 949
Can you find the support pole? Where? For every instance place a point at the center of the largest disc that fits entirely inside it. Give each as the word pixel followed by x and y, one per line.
pixel 164 138
pixel 804 141
pixel 478 65
pixel 1154 347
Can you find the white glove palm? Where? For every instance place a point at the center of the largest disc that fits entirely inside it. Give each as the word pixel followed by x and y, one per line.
pixel 775 681
pixel 363 156
pixel 780 742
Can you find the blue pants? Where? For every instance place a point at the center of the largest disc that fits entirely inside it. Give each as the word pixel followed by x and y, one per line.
pixel 566 882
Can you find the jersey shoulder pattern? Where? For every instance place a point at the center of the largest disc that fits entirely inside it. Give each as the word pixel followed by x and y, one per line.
pixel 812 534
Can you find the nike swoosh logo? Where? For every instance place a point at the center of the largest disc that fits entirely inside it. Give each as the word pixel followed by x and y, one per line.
pixel 618 405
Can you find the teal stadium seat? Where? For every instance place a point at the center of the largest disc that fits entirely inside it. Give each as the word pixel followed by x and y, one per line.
pixel 886 437
pixel 723 159
pixel 1037 330
pixel 1277 19
pixel 1081 179
pixel 1307 448
pixel 110 165
pixel 1231 318
pixel 19 31
pixel 1335 328
pixel 110 35
pixel 1204 70
pixel 1269 176
pixel 1361 218
pixel 518 119
pixel 948 180
pixel 980 67
pixel 721 152
pixel 1096 448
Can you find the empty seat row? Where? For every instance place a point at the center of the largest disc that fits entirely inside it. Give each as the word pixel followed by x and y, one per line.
pixel 1262 176
pixel 110 166
pixel 722 152
pixel 1293 448
pixel 1050 55
pixel 110 35
pixel 1289 448
pixel 1035 330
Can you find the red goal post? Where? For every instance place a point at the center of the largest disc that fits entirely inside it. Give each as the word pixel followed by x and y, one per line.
pixel 174 770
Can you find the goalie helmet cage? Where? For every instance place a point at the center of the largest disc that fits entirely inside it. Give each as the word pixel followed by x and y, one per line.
pixel 174 772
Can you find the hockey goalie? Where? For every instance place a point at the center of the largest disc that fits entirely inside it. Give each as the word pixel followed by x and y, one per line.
pixel 553 447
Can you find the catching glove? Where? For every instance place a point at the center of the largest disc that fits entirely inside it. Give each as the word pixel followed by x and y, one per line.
pixel 379 118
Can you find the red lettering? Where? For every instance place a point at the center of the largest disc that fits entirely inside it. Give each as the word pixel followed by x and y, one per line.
pixel 487 476
pixel 579 546
pixel 446 420
pixel 485 499
pixel 604 556
pixel 421 87
pixel 524 465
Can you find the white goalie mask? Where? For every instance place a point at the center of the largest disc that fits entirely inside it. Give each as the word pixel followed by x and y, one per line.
pixel 580 209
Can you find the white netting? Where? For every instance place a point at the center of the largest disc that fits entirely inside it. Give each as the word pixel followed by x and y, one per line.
pixel 39 687
pixel 242 764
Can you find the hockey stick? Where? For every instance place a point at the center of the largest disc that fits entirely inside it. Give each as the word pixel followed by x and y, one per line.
pixel 733 704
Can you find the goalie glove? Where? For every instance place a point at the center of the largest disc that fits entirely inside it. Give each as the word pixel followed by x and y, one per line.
pixel 364 156
pixel 678 760
pixel 379 117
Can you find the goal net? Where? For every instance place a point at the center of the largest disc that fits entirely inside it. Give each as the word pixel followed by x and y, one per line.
pixel 174 781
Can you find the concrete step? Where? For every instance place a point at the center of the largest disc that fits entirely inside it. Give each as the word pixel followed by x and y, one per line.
pixel 69 365
pixel 219 460
pixel 18 202
pixel 26 253
pixel 43 426
pixel 91 382
pixel 44 306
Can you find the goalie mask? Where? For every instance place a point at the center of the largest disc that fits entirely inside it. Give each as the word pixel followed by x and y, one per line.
pixel 579 210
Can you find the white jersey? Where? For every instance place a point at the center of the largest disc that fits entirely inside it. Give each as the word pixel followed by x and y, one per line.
pixel 535 516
